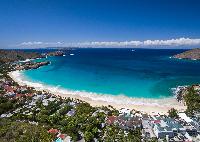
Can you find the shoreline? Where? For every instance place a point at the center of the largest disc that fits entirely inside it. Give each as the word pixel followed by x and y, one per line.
pixel 149 106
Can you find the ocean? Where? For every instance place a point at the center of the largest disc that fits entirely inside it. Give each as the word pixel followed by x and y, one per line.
pixel 137 73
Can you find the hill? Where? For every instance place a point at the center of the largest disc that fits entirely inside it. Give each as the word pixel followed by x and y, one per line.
pixel 193 54
pixel 16 55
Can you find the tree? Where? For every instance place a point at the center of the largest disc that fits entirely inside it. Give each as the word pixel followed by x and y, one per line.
pixel 88 136
pixel 173 113
pixel 22 132
pixel 65 109
pixel 192 100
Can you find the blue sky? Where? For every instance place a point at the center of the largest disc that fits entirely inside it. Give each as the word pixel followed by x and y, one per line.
pixel 37 23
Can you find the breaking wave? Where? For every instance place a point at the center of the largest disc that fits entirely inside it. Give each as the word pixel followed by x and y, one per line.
pixel 19 77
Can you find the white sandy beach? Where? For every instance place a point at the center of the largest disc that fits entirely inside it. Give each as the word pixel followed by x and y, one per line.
pixel 150 106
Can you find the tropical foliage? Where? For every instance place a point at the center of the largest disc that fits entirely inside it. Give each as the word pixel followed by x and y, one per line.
pixel 192 100
pixel 22 132
pixel 173 113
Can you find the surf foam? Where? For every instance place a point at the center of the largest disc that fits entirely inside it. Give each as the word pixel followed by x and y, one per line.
pixel 19 77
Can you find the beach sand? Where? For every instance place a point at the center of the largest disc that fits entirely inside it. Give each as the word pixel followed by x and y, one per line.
pixel 149 106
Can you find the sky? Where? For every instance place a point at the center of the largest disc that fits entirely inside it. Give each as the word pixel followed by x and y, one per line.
pixel 99 23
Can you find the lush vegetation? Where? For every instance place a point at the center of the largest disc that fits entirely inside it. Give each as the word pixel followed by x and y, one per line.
pixel 87 122
pixel 12 131
pixel 16 55
pixel 192 100
pixel 173 113
pixel 6 105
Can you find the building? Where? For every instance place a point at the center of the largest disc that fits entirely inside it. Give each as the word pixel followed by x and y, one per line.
pixel 168 127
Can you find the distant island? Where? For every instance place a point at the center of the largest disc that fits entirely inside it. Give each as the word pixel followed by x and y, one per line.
pixel 55 53
pixel 193 54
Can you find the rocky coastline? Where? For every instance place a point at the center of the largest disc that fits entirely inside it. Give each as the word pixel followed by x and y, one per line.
pixel 55 53
pixel 180 91
pixel 193 54
pixel 30 65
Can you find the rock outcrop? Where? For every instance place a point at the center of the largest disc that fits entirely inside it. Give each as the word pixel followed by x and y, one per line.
pixel 31 65
pixel 193 54
pixel 55 53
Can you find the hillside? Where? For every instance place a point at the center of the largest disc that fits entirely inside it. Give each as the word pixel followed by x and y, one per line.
pixel 16 55
pixel 193 54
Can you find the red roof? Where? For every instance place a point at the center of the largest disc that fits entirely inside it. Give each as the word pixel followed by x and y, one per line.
pixel 19 95
pixel 53 131
pixel 111 119
pixel 30 95
pixel 156 121
pixel 8 88
pixel 62 136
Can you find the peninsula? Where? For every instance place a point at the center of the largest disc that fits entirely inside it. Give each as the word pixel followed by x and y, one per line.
pixel 55 53
pixel 193 54
pixel 17 55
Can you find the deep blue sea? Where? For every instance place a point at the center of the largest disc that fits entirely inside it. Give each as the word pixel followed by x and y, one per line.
pixel 142 73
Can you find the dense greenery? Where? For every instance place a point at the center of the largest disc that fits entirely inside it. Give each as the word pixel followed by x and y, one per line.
pixel 6 105
pixel 192 99
pixel 87 121
pixel 173 113
pixel 11 131
pixel 16 55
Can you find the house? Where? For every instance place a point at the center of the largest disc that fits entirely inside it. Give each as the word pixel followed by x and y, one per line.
pixel 8 88
pixel 6 115
pixel 183 116
pixel 53 131
pixel 63 138
pixel 58 140
pixel 128 122
pixel 110 120
pixel 147 130
pixel 124 111
pixel 45 102
pixel 196 124
pixel 71 112
pixel 29 95
pixel 73 104
pixel 19 95
pixel 3 115
pixel 168 127
pixel 162 132
pixel 191 130
pixel 180 138
pixel 10 94
pixel 190 125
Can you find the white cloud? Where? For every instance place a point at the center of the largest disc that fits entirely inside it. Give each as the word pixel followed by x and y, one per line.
pixel 111 43
pixel 133 43
pixel 39 44
pixel 172 42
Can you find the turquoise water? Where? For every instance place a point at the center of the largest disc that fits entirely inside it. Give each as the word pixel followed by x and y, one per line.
pixel 141 73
